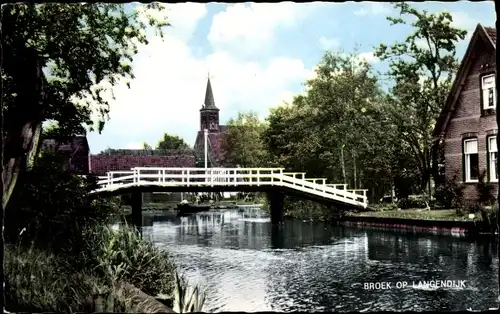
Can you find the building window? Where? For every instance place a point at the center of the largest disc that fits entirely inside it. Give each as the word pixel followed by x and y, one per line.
pixel 471 160
pixel 493 155
pixel 489 91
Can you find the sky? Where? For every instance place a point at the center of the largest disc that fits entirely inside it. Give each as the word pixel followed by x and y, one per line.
pixel 258 57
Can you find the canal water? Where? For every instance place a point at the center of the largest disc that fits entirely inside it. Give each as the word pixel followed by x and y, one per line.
pixel 246 264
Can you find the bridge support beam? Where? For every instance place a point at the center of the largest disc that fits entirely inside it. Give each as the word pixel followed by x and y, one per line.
pixel 137 210
pixel 276 199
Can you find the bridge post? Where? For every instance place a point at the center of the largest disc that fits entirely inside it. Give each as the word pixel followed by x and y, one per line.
pixel 276 199
pixel 137 210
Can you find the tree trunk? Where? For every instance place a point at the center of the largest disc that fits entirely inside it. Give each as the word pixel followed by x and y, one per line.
pixel 23 120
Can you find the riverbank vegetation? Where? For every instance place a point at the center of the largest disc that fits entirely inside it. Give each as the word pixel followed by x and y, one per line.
pixel 369 130
pixel 61 255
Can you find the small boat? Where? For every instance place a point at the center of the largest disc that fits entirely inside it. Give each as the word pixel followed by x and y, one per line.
pixel 187 209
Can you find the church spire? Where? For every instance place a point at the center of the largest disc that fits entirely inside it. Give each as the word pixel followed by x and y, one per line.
pixel 209 96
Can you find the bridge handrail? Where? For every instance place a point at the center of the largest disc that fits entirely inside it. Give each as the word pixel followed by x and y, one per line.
pixel 225 176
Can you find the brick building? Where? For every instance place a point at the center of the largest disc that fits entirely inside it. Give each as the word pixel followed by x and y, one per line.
pixel 80 160
pixel 124 159
pixel 467 124
pixel 209 120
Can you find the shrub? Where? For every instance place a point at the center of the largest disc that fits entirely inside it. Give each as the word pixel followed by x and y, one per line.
pixel 471 208
pixel 485 190
pixel 388 207
pixel 450 194
pixel 489 216
pixel 123 255
pixel 310 210
pixel 403 203
pixel 37 281
pixel 54 208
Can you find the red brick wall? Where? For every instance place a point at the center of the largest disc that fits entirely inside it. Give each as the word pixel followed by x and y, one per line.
pixel 468 119
pixel 100 164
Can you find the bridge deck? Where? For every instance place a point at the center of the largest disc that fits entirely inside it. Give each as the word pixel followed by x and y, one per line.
pixel 229 179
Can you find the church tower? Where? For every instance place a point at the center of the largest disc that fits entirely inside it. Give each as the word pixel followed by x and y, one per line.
pixel 209 114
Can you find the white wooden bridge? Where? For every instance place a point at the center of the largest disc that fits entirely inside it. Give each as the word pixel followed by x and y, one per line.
pixel 230 179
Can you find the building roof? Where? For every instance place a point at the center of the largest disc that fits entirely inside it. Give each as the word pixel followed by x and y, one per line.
pixel 488 35
pixel 100 164
pixel 209 103
pixel 492 34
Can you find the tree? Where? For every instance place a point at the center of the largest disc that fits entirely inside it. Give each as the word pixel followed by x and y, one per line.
pixel 338 128
pixel 171 142
pixel 81 45
pixel 242 143
pixel 146 146
pixel 422 68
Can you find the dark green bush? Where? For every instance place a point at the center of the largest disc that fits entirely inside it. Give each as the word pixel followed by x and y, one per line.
pixel 485 190
pixel 123 255
pixel 403 203
pixel 470 208
pixel 53 208
pixel 449 194
pixel 37 281
pixel 489 216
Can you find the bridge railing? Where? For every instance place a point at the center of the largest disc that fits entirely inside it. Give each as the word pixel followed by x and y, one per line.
pixel 234 177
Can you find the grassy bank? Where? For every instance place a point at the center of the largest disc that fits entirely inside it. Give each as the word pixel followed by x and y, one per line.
pixel 41 281
pixel 441 214
pixel 62 255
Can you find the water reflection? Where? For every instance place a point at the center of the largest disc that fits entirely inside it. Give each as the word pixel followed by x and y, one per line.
pixel 247 264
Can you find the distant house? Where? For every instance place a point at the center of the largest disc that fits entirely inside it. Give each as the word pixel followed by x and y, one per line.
pixel 125 159
pixel 76 148
pixel 467 125
pixel 209 120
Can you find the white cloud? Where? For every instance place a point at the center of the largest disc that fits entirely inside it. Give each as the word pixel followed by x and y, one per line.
pixel 328 43
pixel 184 18
pixel 463 20
pixel 134 145
pixel 372 8
pixel 368 57
pixel 248 28
pixel 169 88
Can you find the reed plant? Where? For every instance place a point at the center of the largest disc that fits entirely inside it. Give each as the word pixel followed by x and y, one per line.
pixel 38 281
pixel 187 298
pixel 122 255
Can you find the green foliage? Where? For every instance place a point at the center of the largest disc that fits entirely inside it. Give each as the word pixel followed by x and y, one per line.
pixel 146 146
pixel 37 281
pixel 450 194
pixel 485 190
pixel 422 68
pixel 243 141
pixel 54 207
pixel 469 208
pixel 309 210
pixel 386 207
pixel 405 203
pixel 81 45
pixel 338 129
pixel 489 215
pixel 171 142
pixel 123 255
pixel 187 299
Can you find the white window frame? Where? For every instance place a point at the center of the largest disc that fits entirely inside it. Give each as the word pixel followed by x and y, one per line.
pixel 492 149
pixel 485 89
pixel 467 154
